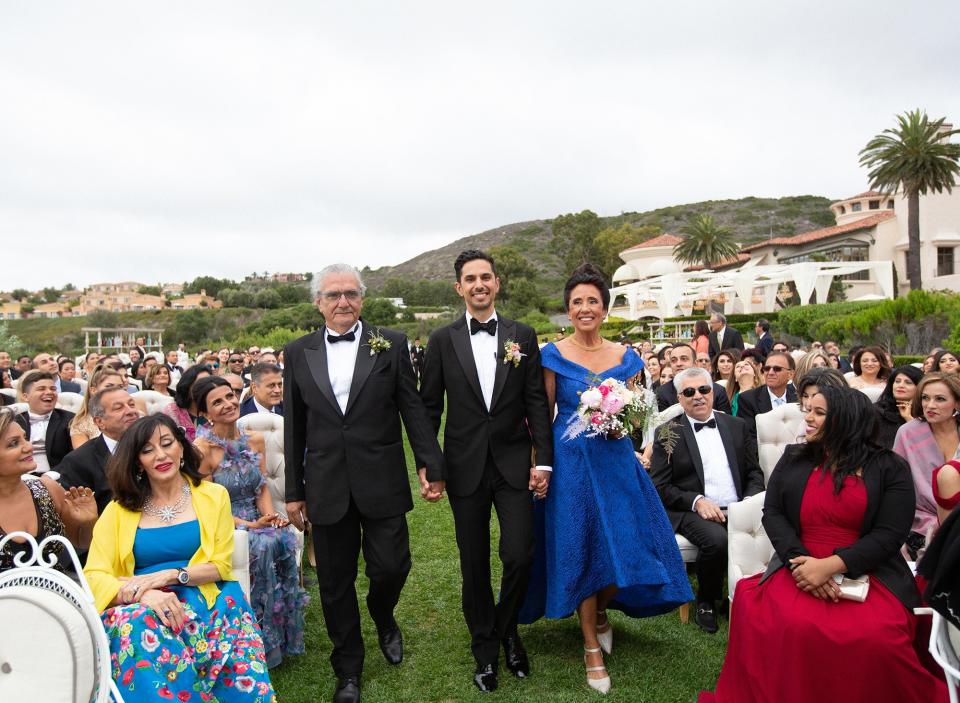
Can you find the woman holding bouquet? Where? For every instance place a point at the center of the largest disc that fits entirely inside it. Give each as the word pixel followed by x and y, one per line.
pixel 604 540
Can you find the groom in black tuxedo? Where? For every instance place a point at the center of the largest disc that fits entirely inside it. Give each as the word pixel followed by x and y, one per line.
pixel 345 388
pixel 496 413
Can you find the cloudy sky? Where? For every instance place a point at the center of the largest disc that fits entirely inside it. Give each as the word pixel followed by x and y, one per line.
pixel 160 141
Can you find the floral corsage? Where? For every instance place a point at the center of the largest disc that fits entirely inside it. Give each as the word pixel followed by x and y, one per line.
pixel 512 353
pixel 377 342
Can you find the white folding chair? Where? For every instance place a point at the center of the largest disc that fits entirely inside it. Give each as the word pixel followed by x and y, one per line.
pixel 748 548
pixel 775 430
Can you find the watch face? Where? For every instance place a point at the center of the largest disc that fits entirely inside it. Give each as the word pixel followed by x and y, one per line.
pixel 183 577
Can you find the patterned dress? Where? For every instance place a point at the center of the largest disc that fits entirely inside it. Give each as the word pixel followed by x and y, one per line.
pixel 48 523
pixel 275 592
pixel 218 656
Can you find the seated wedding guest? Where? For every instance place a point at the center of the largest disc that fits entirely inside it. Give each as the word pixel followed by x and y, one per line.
pixel 744 377
pixel 223 353
pixel 183 410
pixel 722 365
pixel 38 506
pixel 82 427
pixel 90 362
pixel 158 379
pixel 836 505
pixel 46 362
pixel 46 426
pixel 870 368
pixel 703 361
pixel 809 384
pixel 23 365
pixel 651 365
pixel 113 411
pixel 713 463
pixel 160 568
pixel 946 362
pixel 236 383
pixel 946 488
pixel 777 373
pixel 666 375
pixel 663 354
pixel 928 363
pixel 235 365
pixel 682 357
pixel 235 460
pixel 780 348
pixel 834 361
pixel 895 405
pixel 136 355
pixel 6 367
pixel 927 443
pixel 811 360
pixel 266 390
pixel 68 370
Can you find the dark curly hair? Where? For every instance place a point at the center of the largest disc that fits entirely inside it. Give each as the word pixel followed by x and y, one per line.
pixel 589 275
pixel 182 395
pixel 130 487
pixel 472 255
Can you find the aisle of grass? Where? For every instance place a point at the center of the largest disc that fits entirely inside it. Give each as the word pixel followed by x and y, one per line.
pixel 654 660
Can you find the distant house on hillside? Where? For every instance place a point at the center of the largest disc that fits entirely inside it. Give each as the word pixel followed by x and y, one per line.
pixel 10 310
pixel 194 301
pixel 50 310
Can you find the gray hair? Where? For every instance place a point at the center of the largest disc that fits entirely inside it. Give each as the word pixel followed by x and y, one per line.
pixel 95 406
pixel 316 286
pixel 263 369
pixel 720 317
pixel 690 373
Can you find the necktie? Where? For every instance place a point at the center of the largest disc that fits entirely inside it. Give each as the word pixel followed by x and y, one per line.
pixel 777 402
pixel 489 326
pixel 348 337
pixel 712 422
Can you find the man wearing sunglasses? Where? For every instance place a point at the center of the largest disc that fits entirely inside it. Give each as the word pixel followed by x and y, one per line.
pixel 777 373
pixel 712 463
pixel 682 357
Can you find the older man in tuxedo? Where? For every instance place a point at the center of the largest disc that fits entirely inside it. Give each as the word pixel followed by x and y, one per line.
pixel 346 387
pixel 712 463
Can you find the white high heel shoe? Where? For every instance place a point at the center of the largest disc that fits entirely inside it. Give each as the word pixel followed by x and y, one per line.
pixel 605 637
pixel 600 685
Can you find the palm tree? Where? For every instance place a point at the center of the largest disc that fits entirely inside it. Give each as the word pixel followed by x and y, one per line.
pixel 916 157
pixel 706 243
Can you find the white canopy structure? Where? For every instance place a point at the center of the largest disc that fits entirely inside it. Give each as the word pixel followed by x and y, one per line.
pixel 674 294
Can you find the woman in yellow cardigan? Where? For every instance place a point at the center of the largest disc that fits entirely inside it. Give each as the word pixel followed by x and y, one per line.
pixel 159 566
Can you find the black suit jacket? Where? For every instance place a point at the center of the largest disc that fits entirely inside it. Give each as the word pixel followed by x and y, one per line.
pixel 58 443
pixel 667 396
pixel 333 456
pixel 678 475
pixel 69 387
pixel 891 501
pixel 249 407
pixel 732 339
pixel 757 401
pixel 87 466
pixel 518 418
pixel 765 344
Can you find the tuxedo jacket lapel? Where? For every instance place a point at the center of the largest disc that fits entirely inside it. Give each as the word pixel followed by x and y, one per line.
pixel 506 329
pixel 460 338
pixel 362 366
pixel 692 447
pixel 316 357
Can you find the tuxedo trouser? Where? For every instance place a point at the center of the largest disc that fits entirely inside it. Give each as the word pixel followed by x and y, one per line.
pixel 487 620
pixel 710 538
pixel 386 551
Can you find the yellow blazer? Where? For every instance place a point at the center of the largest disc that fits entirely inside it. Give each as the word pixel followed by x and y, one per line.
pixel 111 551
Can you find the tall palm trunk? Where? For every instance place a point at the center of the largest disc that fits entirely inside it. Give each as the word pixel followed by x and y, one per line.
pixel 913 238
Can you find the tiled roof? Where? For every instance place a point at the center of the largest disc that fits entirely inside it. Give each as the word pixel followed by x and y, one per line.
pixel 867 194
pixel 737 260
pixel 818 234
pixel 664 240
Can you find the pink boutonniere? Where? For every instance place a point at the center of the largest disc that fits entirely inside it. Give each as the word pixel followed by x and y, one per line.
pixel 512 353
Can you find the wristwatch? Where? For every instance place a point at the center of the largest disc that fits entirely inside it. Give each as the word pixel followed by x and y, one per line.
pixel 183 577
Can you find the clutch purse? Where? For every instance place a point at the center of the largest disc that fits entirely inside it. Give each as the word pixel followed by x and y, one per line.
pixel 853 589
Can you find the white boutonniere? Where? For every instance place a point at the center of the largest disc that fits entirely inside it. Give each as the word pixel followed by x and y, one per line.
pixel 377 342
pixel 512 353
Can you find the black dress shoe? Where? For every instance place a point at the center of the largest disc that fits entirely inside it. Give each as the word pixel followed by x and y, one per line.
pixel 516 656
pixel 486 678
pixel 348 690
pixel 705 618
pixel 391 644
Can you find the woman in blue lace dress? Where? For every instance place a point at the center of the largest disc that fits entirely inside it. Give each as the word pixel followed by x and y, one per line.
pixel 604 540
pixel 235 460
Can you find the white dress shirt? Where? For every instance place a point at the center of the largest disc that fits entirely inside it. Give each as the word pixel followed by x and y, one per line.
pixel 262 409
pixel 484 347
pixel 720 333
pixel 341 358
pixel 775 401
pixel 111 443
pixel 718 485
pixel 38 440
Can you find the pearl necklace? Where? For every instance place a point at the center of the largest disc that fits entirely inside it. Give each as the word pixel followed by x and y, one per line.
pixel 167 513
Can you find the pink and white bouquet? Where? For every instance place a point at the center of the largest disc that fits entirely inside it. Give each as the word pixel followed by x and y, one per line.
pixel 610 409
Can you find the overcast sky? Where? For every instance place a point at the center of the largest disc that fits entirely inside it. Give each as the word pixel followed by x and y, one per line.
pixel 161 141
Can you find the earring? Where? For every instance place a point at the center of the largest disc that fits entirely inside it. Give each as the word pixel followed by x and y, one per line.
pixel 140 475
pixel 181 463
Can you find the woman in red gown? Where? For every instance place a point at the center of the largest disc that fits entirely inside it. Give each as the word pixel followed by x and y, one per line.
pixel 837 504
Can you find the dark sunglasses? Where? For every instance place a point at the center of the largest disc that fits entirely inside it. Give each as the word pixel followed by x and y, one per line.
pixel 234 361
pixel 775 369
pixel 702 390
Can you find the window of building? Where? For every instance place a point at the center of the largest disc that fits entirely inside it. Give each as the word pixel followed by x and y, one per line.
pixel 874 204
pixel 856 207
pixel 845 252
pixel 843 210
pixel 890 204
pixel 945 261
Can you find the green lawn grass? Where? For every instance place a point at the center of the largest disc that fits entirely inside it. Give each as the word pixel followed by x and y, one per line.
pixel 654 659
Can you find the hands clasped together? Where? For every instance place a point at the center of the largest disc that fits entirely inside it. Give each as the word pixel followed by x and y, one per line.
pixel 815 576
pixel 150 590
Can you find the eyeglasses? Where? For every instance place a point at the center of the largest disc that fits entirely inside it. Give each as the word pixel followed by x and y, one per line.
pixel 775 369
pixel 702 390
pixel 234 361
pixel 332 296
pixel 213 366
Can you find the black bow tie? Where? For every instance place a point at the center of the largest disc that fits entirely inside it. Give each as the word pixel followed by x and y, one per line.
pixel 712 422
pixel 488 326
pixel 348 337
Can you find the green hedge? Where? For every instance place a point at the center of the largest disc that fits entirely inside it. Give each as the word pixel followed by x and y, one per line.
pixel 904 359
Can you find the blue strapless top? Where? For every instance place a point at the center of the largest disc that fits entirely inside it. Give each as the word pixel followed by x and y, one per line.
pixel 172 547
